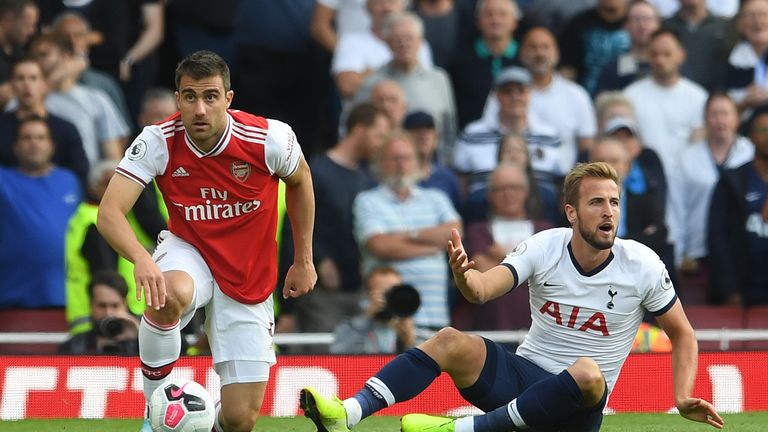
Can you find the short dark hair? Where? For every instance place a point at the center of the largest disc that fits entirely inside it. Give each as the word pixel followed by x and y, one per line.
pixel 668 31
pixel 111 279
pixel 363 114
pixel 33 118
pixel 26 58
pixel 203 64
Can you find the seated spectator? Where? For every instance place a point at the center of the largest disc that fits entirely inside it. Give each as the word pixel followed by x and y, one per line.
pixel 558 101
pixel 36 201
pixel 642 20
pixel 477 61
pixel 542 203
pixel 421 127
pixel 389 96
pixel 30 89
pixel 426 88
pixel 338 177
pixel 18 23
pixel 407 227
pixel 78 29
pixel 115 331
pixel 477 148
pixel 360 53
pixel 646 167
pixel 692 183
pixel 102 129
pixel 376 330
pixel 705 38
pixel 489 240
pixel 745 76
pixel 591 39
pixel 738 231
pixel 611 104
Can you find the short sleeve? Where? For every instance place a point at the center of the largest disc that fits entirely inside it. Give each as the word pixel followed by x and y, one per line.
pixel 660 296
pixel 523 259
pixel 346 58
pixel 282 149
pixel 147 156
pixel 331 4
pixel 446 211
pixel 110 124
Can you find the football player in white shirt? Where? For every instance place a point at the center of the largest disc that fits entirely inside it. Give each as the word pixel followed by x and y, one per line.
pixel 588 292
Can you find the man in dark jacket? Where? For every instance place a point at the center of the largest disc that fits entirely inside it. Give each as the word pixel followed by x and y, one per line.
pixel 738 225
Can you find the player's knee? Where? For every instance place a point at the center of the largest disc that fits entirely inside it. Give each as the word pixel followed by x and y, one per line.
pixel 453 342
pixel 238 419
pixel 179 292
pixel 588 377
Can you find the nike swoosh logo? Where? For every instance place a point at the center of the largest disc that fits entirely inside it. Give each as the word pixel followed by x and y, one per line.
pixel 178 392
pixel 547 284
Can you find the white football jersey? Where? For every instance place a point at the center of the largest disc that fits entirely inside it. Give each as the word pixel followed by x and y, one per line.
pixel 592 314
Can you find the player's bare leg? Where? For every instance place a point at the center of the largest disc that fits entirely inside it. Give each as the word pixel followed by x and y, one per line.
pixel 590 380
pixel 240 406
pixel 450 348
pixel 159 332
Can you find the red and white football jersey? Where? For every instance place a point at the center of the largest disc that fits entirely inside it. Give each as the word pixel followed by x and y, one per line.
pixel 224 201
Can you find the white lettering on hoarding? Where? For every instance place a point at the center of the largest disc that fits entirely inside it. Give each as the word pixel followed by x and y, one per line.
pixel 290 380
pixel 727 388
pixel 19 381
pixel 96 383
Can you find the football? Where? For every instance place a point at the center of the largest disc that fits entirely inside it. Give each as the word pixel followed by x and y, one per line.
pixel 181 406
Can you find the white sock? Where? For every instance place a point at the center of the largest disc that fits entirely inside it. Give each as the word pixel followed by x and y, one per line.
pixel 217 423
pixel 159 345
pixel 354 412
pixel 515 415
pixel 465 424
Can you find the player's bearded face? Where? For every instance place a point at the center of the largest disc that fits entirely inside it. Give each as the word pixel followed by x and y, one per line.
pixel 203 104
pixel 597 215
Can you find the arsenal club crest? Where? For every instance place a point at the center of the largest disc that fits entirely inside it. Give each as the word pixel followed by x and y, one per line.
pixel 241 170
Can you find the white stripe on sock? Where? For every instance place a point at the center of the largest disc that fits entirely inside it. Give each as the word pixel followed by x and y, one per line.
pixel 465 424
pixel 354 412
pixel 382 389
pixel 515 415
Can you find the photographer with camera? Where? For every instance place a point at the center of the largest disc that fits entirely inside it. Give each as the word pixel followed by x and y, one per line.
pixel 115 330
pixel 386 326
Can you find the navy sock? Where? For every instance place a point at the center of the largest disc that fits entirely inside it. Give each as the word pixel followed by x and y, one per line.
pixel 546 403
pixel 401 379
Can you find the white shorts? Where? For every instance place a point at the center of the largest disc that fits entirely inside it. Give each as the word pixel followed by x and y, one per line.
pixel 236 331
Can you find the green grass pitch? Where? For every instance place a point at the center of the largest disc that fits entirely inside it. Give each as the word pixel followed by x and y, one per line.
pixel 751 422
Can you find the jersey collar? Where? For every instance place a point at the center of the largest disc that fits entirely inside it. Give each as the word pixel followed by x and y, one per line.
pixel 218 148
pixel 595 270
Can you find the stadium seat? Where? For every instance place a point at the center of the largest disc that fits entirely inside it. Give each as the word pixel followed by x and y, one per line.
pixel 31 320
pixel 756 318
pixel 716 317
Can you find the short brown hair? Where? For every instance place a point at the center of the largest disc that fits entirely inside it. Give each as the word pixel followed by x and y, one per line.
pixel 573 180
pixel 364 114
pixel 381 271
pixel 203 64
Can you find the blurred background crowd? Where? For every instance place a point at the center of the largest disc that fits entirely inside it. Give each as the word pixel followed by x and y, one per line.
pixel 417 117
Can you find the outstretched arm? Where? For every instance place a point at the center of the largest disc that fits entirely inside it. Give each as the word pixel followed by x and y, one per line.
pixel 684 364
pixel 475 286
pixel 300 205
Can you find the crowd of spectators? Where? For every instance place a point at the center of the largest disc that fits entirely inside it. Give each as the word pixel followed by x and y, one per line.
pixel 417 117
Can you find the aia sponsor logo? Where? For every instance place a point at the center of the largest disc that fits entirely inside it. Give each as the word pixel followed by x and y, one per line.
pixel 596 322
pixel 241 170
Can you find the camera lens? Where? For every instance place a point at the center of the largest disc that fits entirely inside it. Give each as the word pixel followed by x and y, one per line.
pixel 110 327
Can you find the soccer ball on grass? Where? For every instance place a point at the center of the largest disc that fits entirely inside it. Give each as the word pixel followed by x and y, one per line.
pixel 181 406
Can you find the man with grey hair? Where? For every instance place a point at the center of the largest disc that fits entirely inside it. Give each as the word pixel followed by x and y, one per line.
pixel 426 89
pixel 360 53
pixel 405 226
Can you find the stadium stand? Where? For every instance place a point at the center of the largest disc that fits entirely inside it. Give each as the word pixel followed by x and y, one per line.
pixel 23 321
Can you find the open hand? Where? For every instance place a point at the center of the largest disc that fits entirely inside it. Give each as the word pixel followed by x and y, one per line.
pixel 701 411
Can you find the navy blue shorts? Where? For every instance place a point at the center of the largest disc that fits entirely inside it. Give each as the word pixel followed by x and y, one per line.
pixel 505 376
